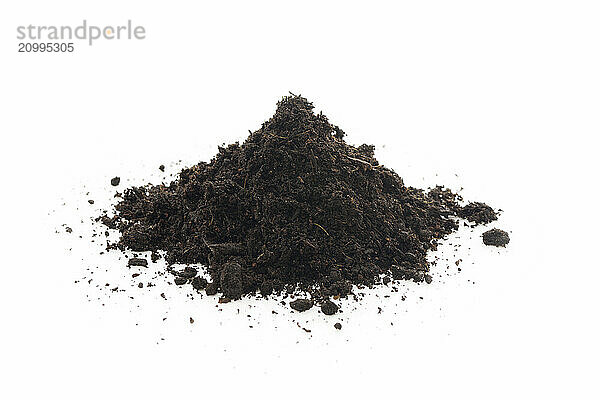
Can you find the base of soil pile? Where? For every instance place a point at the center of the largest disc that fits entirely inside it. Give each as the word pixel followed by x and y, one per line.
pixel 292 208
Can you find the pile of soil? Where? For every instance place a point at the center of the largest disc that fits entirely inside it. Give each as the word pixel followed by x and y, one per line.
pixel 292 208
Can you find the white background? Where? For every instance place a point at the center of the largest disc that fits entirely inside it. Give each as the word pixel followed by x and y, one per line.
pixel 500 98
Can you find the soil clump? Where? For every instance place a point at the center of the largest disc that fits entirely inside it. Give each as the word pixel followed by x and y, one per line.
pixel 496 237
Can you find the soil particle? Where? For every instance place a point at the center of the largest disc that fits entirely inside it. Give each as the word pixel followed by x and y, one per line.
pixel 140 285
pixel 301 305
pixel 428 279
pixel 187 272
pixel 479 213
pixel 337 326
pixel 211 289
pixel 91 201
pixel 180 280
pixel 162 168
pixel 137 262
pixel 496 237
pixel 199 283
pixel 329 307
pixel 191 320
pixel 115 181
pixel 231 280
pixel 407 272
pixel 266 287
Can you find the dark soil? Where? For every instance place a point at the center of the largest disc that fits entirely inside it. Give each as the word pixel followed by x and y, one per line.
pixel 292 208
pixel 496 237
pixel 479 213
pixel 115 181
pixel 301 305
pixel 329 307
pixel 212 289
pixel 137 262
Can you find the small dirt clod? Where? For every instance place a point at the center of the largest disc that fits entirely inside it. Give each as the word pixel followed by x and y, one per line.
pixel 180 281
pixel 329 307
pixel 479 213
pixel 496 237
pixel 211 289
pixel 301 305
pixel 137 262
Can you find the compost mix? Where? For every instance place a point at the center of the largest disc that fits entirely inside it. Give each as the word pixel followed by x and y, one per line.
pixel 294 208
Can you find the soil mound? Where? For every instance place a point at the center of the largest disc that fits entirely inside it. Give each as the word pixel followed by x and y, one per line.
pixel 293 207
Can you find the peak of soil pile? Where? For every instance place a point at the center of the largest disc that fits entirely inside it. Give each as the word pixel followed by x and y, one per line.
pixel 292 207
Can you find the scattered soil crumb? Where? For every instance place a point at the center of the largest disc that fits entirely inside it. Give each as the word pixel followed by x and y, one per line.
pixel 301 305
pixel 479 213
pixel 329 307
pixel 496 237
pixel 137 262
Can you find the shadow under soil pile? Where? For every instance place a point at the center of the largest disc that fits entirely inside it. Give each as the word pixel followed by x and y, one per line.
pixel 293 207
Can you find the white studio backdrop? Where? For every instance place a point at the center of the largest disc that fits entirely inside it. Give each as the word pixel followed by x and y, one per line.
pixel 499 98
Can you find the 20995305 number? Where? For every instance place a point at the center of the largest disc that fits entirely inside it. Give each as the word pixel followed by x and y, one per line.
pixel 46 47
